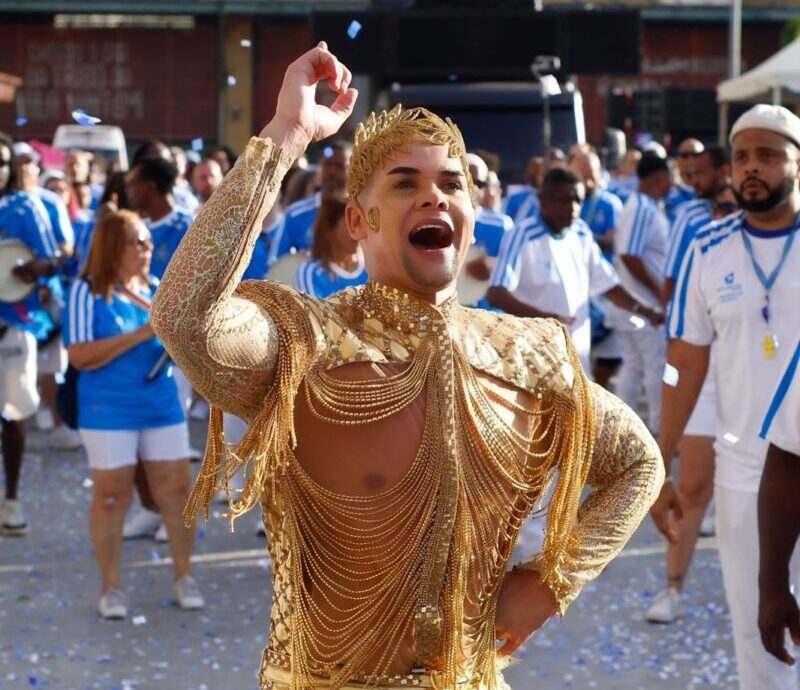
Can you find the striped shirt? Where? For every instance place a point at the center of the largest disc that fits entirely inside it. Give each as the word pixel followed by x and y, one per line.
pixel 690 217
pixel 312 278
pixel 781 426
pixel 295 228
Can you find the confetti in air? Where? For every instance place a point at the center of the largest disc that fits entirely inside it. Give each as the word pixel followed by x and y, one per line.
pixel 730 438
pixel 245 43
pixel 671 375
pixel 354 28
pixel 327 152
pixel 139 620
pixel 22 121
pixel 88 483
pixel 231 80
pixel 197 144
pixel 83 119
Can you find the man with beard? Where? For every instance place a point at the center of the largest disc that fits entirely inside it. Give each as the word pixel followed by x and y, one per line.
pixel 295 228
pixel 737 290
pixel 396 440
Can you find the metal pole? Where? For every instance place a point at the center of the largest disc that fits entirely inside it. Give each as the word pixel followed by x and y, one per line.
pixel 547 129
pixel 735 39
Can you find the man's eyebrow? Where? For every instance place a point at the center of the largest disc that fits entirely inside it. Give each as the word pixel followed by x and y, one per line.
pixel 453 173
pixel 404 170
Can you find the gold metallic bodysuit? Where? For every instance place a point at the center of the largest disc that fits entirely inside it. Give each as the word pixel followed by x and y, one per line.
pixel 395 448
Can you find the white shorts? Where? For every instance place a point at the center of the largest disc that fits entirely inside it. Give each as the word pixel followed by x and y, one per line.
pixel 703 421
pixel 109 449
pixel 52 358
pixel 19 398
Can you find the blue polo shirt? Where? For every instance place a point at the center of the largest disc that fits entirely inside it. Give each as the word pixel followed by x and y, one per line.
pixel 601 213
pixel 295 228
pixel 678 194
pixel 167 235
pixel 490 227
pixel 522 205
pixel 24 218
pixel 312 278
pixel 117 396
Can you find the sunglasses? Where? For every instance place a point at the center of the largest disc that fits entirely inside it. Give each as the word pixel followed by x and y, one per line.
pixel 5 164
pixel 141 242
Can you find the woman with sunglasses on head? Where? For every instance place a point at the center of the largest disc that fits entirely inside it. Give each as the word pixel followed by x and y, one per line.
pixel 127 408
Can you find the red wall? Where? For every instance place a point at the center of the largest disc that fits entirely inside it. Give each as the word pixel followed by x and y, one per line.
pixel 677 55
pixel 152 83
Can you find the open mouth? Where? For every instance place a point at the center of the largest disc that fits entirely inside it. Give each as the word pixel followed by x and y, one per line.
pixel 431 237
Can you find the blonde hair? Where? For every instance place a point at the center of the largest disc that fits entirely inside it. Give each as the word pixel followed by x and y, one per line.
pixel 108 243
pixel 381 135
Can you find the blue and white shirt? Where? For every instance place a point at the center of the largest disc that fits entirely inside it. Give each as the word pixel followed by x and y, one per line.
pixel 556 274
pixel 718 299
pixel 678 194
pixel 601 212
pixel 24 218
pixel 312 278
pixel 295 228
pixel 490 228
pixel 522 205
pixel 167 234
pixel 58 214
pixel 692 216
pixel 781 426
pixel 258 266
pixel 185 199
pixel 117 396
pixel 623 187
pixel 642 232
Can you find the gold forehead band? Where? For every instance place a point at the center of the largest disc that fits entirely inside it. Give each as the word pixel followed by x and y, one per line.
pixel 381 135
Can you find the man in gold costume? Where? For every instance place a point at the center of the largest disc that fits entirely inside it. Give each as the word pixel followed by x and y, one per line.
pixel 397 440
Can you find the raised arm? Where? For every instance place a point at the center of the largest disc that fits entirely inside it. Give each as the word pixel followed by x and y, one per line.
pixel 226 344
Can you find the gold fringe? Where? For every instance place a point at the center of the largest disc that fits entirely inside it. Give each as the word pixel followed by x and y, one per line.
pixel 270 436
pixel 573 455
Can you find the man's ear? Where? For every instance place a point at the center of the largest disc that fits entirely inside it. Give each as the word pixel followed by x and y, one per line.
pixel 357 224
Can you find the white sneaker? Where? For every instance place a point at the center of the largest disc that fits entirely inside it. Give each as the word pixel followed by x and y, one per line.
pixel 13 522
pixel 195 455
pixel 144 524
pixel 113 605
pixel 666 607
pixel 161 534
pixel 44 418
pixel 64 438
pixel 189 597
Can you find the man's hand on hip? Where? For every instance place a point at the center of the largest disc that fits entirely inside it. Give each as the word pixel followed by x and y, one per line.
pixel 525 605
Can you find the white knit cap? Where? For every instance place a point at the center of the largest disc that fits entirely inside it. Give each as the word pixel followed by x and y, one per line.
pixel 775 118
pixel 480 166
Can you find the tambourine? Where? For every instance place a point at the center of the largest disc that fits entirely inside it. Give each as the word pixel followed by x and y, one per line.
pixel 14 253
pixel 283 269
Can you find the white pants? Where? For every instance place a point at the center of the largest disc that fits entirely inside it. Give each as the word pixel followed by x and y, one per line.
pixel 19 397
pixel 184 389
pixel 737 539
pixel 644 353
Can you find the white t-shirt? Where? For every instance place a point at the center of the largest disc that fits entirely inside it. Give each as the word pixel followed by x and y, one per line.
pixel 718 298
pixel 782 424
pixel 642 232
pixel 556 273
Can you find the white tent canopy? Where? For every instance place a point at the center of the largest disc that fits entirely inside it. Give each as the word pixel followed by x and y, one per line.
pixel 771 77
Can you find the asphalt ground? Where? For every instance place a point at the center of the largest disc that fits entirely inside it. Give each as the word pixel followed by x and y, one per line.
pixel 51 635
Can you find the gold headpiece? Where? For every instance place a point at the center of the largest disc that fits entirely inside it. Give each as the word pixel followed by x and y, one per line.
pixel 383 134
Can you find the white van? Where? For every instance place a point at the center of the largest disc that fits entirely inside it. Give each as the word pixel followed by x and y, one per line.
pixel 105 141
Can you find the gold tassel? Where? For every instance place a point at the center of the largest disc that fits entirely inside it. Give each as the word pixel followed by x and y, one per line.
pixel 206 482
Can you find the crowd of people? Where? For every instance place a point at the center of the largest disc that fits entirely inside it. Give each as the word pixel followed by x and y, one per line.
pixel 675 277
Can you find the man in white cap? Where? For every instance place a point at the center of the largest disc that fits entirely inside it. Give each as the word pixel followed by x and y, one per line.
pixel 738 289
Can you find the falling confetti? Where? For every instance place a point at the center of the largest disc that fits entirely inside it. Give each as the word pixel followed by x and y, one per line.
pixel 327 152
pixel 83 119
pixel 139 620
pixel 197 144
pixel 22 121
pixel 354 28
pixel 638 322
pixel 231 80
pixel 730 438
pixel 88 483
pixel 671 375
pixel 245 43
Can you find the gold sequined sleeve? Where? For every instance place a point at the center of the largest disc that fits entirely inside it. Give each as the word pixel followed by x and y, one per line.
pixel 626 473
pixel 225 343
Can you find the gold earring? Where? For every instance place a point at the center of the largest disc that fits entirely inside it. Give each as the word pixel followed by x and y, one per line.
pixel 374 219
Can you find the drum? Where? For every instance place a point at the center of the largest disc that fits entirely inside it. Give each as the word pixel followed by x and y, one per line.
pixel 470 290
pixel 14 253
pixel 283 269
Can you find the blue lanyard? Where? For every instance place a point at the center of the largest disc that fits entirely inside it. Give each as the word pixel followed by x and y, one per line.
pixel 767 281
